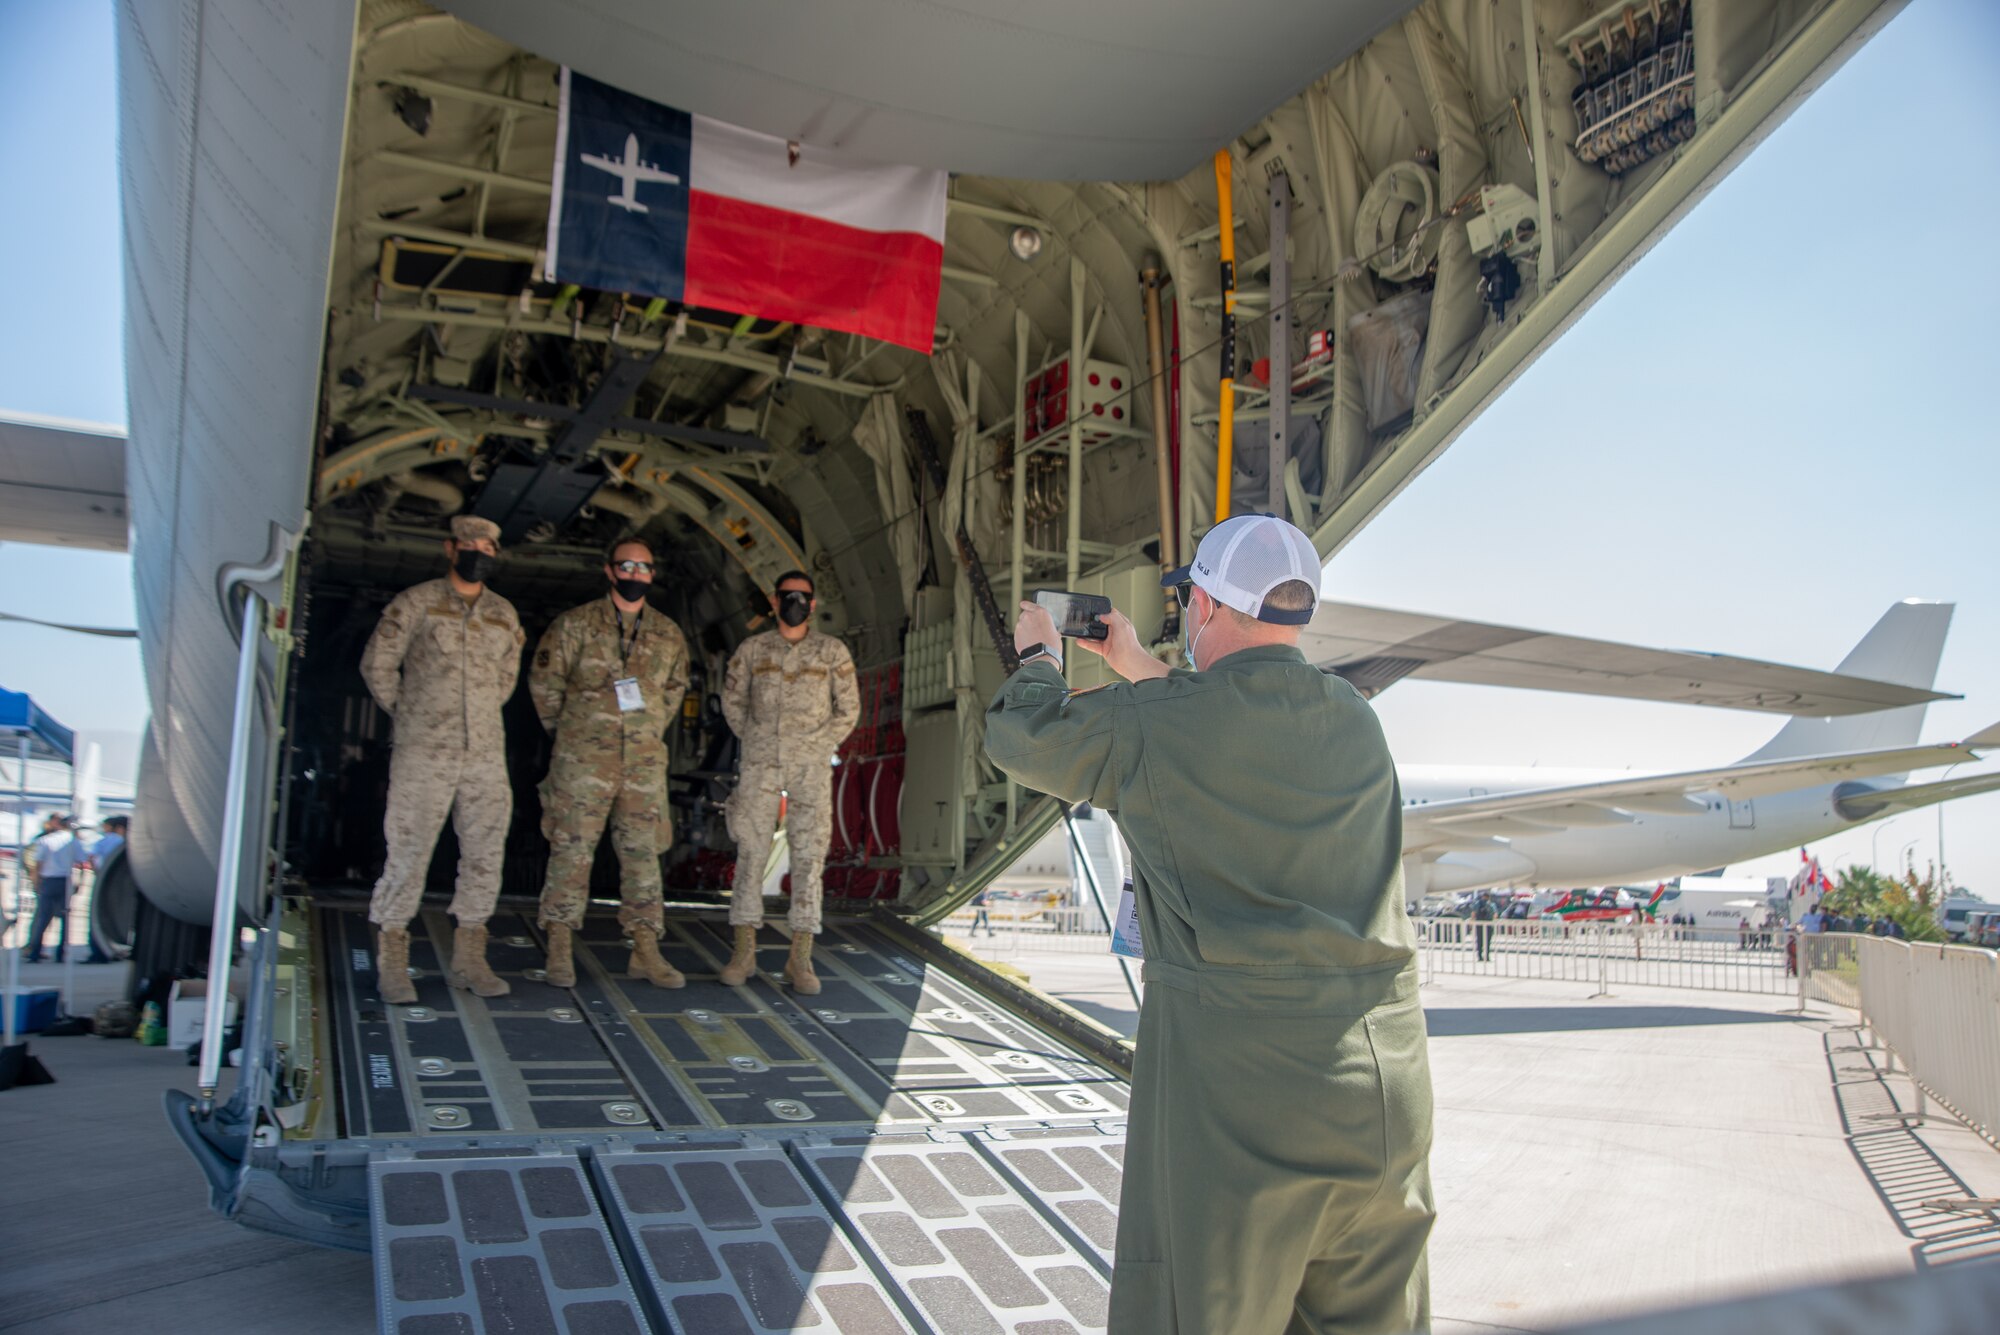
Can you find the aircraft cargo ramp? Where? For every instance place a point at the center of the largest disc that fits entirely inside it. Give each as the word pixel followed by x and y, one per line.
pixel 893 1154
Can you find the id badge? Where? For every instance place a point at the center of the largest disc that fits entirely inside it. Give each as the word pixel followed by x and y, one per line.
pixel 1125 930
pixel 629 699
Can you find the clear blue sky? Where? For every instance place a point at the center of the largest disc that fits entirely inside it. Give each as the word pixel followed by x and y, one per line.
pixel 1769 431
pixel 61 349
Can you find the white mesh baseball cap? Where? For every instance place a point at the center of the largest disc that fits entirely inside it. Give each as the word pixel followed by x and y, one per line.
pixel 1241 560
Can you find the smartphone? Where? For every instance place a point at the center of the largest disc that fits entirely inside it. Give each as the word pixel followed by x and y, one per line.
pixel 1079 616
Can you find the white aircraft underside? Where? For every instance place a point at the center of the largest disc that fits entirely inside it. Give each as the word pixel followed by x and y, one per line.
pixel 1469 828
pixel 1631 848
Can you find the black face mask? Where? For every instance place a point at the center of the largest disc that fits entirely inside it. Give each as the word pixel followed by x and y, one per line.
pixel 794 607
pixel 632 590
pixel 473 566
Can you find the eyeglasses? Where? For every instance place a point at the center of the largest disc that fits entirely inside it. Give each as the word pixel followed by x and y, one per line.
pixel 1184 593
pixel 633 567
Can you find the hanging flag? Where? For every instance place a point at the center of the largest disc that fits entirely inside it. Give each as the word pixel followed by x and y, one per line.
pixel 661 203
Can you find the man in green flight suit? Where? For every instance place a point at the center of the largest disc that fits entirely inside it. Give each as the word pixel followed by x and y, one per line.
pixel 607 680
pixel 1277 1170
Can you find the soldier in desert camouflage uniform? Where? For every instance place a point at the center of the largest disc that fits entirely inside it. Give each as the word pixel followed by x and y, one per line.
pixel 607 680
pixel 442 661
pixel 790 696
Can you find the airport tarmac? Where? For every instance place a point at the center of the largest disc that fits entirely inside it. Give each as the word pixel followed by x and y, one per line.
pixel 1594 1158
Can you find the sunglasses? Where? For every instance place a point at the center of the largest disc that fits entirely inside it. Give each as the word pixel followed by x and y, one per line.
pixel 633 567
pixel 1184 593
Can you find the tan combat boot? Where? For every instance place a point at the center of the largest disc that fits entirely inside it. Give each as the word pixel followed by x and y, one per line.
pixel 744 962
pixel 392 966
pixel 561 966
pixel 468 964
pixel 646 961
pixel 799 968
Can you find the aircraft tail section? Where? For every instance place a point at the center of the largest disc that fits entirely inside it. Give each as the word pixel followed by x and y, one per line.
pixel 1904 648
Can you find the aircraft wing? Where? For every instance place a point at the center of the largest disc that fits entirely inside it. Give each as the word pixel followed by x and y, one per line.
pixel 1375 647
pixel 1470 821
pixel 62 483
pixel 1868 803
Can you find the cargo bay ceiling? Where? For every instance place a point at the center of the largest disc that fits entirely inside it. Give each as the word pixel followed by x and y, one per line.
pixel 1427 234
pixel 1454 182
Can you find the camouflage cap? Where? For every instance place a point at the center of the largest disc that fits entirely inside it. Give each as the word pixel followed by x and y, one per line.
pixel 471 528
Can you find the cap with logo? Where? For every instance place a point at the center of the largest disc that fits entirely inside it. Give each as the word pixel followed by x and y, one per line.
pixel 1241 560
pixel 471 528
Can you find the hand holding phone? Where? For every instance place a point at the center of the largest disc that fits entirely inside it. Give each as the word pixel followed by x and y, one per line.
pixel 1078 616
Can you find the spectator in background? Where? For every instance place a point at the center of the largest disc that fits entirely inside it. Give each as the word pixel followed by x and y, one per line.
pixel 101 853
pixel 1814 920
pixel 113 839
pixel 1483 914
pixel 979 918
pixel 55 856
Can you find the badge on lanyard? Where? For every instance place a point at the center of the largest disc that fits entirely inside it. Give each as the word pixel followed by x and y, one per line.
pixel 1125 930
pixel 630 701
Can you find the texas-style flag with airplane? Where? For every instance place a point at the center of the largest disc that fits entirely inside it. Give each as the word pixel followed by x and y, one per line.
pixel 658 202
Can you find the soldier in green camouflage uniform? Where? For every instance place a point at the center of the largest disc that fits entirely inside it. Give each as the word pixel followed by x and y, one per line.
pixel 607 680
pixel 790 696
pixel 442 661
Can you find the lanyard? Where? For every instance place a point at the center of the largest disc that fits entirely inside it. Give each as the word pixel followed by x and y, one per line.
pixel 626 646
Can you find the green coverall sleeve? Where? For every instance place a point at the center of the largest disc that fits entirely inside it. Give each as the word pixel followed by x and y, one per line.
pixel 1057 741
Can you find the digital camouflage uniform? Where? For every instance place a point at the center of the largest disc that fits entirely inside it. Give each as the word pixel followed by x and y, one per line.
pixel 443 667
pixel 791 705
pixel 607 762
pixel 1277 1162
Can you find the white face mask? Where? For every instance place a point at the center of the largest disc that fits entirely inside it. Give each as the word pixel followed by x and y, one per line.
pixel 1195 638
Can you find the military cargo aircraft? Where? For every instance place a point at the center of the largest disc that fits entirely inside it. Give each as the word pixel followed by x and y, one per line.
pixel 340 333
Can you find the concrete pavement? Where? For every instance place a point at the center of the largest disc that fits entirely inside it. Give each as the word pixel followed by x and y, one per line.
pixel 1654 1148
pixel 1593 1158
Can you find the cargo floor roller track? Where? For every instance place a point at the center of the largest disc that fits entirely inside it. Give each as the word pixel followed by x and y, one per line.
pixel 621 1158
pixel 890 1042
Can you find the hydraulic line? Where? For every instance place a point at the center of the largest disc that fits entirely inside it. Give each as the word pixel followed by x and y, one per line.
pixel 1225 442
pixel 1163 464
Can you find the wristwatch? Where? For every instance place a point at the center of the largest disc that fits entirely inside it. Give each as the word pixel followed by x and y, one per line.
pixel 1035 651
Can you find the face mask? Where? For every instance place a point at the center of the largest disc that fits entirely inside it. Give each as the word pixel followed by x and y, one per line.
pixel 1194 639
pixel 632 590
pixel 473 566
pixel 794 607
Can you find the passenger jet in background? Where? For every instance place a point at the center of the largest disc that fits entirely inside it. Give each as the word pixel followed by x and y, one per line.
pixel 1844 758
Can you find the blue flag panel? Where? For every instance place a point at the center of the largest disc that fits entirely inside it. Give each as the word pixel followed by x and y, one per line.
pixel 621 212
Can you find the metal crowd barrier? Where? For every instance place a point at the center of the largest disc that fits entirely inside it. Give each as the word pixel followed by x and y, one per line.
pixel 1832 974
pixel 1937 1010
pixel 1066 930
pixel 1607 954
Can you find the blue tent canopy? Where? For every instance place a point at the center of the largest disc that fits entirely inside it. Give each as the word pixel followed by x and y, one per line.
pixel 47 739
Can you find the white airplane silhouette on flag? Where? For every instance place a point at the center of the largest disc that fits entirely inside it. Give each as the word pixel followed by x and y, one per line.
pixel 630 170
